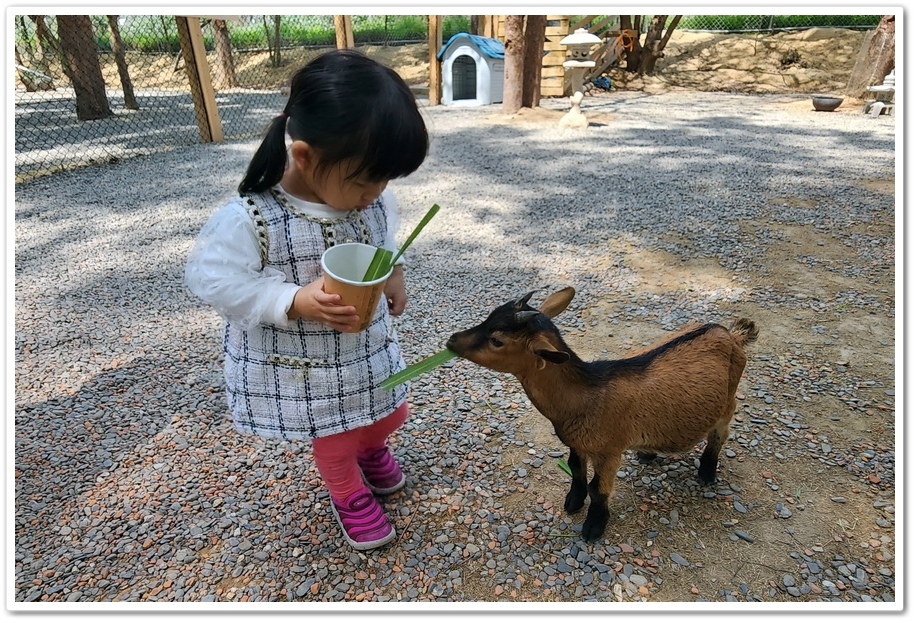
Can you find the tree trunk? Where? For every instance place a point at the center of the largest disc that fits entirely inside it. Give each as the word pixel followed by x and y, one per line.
pixel 279 60
pixel 225 77
pixel 48 47
pixel 22 34
pixel 39 76
pixel 117 47
pixel 514 65
pixel 875 60
pixel 270 46
pixel 645 54
pixel 31 79
pixel 166 44
pixel 535 29
pixel 47 44
pixel 656 40
pixel 82 59
pixel 632 56
pixel 475 24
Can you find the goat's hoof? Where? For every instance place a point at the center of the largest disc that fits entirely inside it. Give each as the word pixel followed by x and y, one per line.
pixel 593 530
pixel 595 522
pixel 645 457
pixel 706 477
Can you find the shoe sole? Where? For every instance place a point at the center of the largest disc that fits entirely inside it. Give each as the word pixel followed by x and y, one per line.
pixel 362 545
pixel 386 490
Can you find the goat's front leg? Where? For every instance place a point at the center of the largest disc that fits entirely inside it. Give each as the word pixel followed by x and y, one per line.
pixel 575 499
pixel 600 490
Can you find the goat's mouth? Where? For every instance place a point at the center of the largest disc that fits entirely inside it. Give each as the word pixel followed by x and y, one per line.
pixel 458 346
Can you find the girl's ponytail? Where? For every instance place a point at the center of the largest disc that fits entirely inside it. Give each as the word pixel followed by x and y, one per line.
pixel 269 161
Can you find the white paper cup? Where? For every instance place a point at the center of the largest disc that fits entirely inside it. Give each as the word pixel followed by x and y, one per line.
pixel 344 266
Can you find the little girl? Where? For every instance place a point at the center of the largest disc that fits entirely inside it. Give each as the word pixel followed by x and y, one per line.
pixel 295 366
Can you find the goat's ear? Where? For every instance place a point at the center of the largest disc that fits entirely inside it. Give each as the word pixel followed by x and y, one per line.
pixel 523 301
pixel 558 301
pixel 545 351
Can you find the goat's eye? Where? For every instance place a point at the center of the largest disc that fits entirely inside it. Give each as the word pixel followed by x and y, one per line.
pixel 496 342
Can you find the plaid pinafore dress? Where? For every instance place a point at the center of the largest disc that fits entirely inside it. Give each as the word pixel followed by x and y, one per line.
pixel 309 380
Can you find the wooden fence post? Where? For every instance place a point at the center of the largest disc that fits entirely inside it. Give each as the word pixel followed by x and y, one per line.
pixel 434 39
pixel 195 62
pixel 490 26
pixel 343 30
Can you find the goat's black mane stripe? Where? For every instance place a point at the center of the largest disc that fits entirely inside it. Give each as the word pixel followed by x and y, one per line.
pixel 601 370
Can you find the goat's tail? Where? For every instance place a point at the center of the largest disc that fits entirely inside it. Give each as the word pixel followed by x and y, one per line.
pixel 744 330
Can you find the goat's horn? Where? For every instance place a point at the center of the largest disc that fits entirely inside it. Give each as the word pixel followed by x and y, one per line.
pixel 524 300
pixel 524 316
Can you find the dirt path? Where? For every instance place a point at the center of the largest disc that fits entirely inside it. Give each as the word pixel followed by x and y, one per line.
pixel 804 501
pixel 806 495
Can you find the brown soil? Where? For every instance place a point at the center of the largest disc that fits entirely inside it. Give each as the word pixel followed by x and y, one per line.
pixel 818 60
pixel 821 527
pixel 834 510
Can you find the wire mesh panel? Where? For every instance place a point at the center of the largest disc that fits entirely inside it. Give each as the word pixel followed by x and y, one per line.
pixel 769 23
pixel 98 88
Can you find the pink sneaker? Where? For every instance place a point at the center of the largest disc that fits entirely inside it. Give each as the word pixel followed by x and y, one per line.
pixel 363 521
pixel 381 471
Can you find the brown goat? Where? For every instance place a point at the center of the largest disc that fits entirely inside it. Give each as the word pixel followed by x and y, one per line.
pixel 664 399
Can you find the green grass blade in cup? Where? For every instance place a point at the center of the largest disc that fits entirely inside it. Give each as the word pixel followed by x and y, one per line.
pixel 416 230
pixel 379 266
pixel 382 260
pixel 421 367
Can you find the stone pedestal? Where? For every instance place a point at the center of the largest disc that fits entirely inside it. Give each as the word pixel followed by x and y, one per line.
pixel 574 118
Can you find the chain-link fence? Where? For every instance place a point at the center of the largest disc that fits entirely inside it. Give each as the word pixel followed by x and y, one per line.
pixel 94 89
pixel 771 23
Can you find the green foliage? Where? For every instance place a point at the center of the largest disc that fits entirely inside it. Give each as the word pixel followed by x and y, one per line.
pixel 247 37
pixel 453 24
pixel 159 33
pixel 151 34
pixel 392 28
pixel 102 32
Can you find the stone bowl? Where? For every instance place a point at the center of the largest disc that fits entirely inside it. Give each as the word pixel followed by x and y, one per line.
pixel 826 103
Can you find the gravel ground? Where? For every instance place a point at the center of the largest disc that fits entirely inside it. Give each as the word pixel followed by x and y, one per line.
pixel 132 486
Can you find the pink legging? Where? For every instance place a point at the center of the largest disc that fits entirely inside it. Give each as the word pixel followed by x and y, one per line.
pixel 335 455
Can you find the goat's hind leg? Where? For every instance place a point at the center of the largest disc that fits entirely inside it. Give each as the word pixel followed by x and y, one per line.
pixel 709 460
pixel 578 489
pixel 600 490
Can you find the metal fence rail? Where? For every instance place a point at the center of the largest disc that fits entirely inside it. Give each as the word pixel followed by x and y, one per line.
pixel 146 87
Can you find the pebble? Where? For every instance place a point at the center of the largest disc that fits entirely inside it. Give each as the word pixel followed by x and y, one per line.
pixel 741 534
pixel 133 486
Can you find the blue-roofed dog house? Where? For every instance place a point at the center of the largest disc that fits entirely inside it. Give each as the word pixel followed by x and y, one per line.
pixel 472 70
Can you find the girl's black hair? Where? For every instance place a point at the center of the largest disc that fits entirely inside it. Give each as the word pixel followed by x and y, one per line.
pixel 346 106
